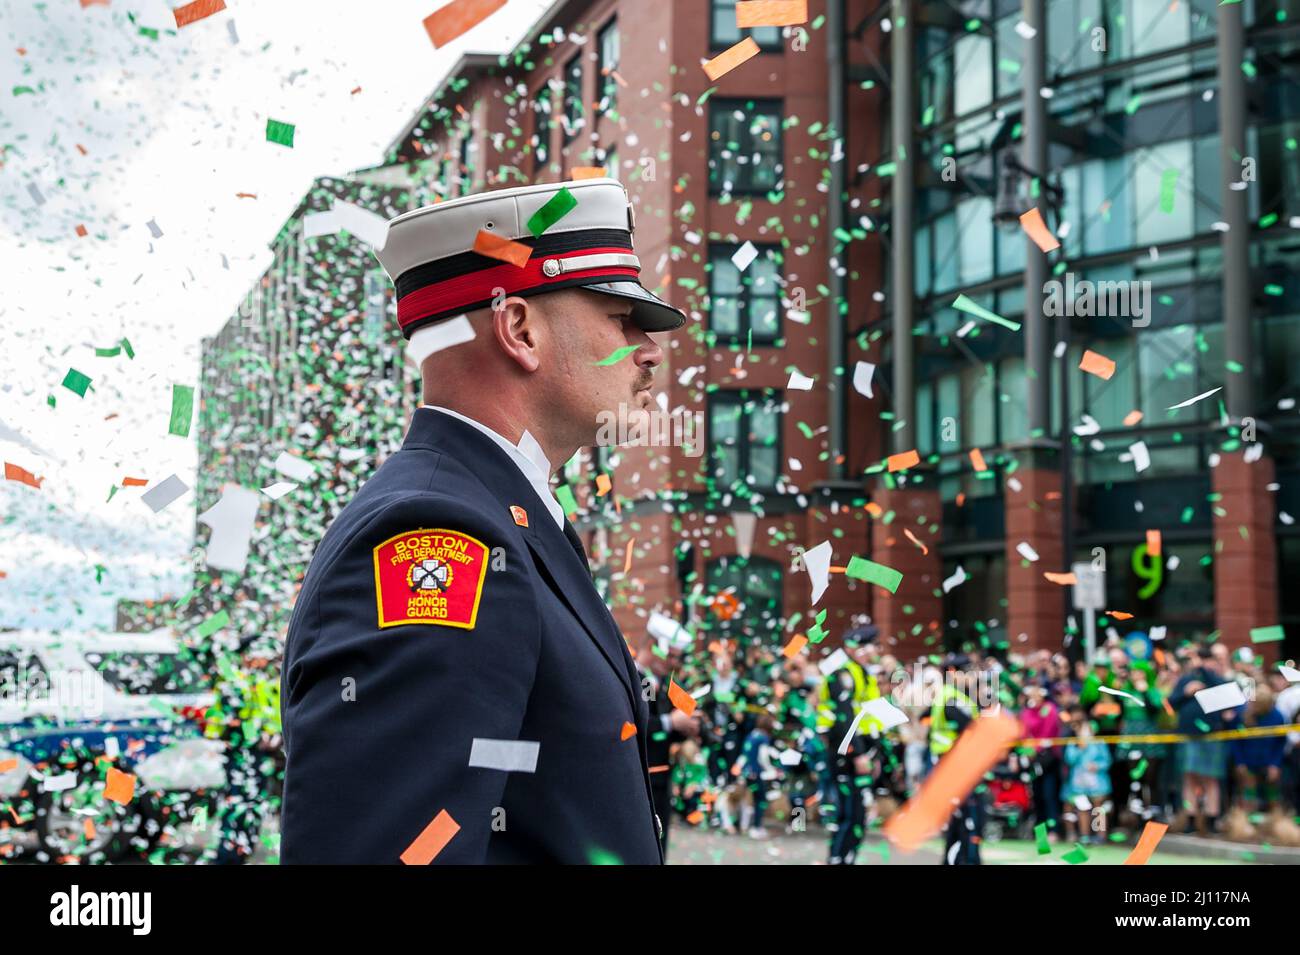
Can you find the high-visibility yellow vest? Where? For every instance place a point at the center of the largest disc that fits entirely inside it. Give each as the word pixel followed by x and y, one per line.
pixel 864 688
pixel 942 733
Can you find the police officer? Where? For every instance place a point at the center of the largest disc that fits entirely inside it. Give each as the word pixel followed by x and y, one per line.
pixel 850 743
pixel 454 688
pixel 951 712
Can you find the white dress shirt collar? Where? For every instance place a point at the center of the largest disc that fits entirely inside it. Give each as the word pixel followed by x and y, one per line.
pixel 528 457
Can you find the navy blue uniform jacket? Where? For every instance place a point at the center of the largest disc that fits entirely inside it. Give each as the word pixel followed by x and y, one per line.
pixel 544 661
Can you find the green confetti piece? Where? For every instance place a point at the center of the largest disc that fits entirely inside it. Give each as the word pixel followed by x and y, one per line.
pixel 278 132
pixel 1132 106
pixel 568 503
pixel 19 90
pixel 182 410
pixel 1267 634
pixel 862 569
pixel 49 400
pixel 1040 836
pixel 126 347
pixel 1075 856
pixel 886 169
pixel 1168 182
pixel 603 857
pixel 963 304
pixel 76 382
pixel 618 355
pixel 214 623
pixel 555 209
pixel 1268 220
pixel 108 352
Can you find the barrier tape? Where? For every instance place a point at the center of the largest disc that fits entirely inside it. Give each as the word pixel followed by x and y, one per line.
pixel 1249 732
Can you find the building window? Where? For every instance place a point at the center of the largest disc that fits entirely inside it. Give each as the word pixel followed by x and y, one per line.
pixel 542 128
pixel 607 42
pixel 724 33
pixel 745 303
pixel 573 105
pixel 745 438
pixel 463 177
pixel 744 597
pixel 745 146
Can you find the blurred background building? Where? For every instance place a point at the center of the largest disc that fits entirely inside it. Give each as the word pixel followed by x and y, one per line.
pixel 878 159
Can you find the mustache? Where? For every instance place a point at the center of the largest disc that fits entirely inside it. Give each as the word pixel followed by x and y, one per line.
pixel 643 381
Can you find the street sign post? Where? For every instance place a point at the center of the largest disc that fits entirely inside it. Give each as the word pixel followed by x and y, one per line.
pixel 1089 596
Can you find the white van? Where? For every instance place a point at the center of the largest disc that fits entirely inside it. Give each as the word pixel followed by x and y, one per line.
pixel 73 703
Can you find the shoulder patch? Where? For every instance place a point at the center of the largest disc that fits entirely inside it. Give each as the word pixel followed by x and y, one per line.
pixel 431 575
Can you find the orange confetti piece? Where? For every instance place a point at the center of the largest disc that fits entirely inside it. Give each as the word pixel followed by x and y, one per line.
pixel 14 473
pixel 977 460
pixel 1119 614
pixel 458 17
pixel 771 13
pixel 1034 226
pixel 81 149
pixel 981 746
pixel 587 172
pixel 120 787
pixel 907 459
pixel 1095 364
pixel 874 509
pixel 793 648
pixel 81 231
pixel 89 829
pixel 501 248
pixel 1132 418
pixel 356 91
pixel 1152 833
pixel 8 764
pixel 134 482
pixel 603 484
pixel 659 769
pixel 245 195
pixel 680 698
pixel 1065 580
pixel 696 817
pixel 961 498
pixel 629 730
pixel 912 537
pixel 1153 543
pixel 730 58
pixel 627 559
pixel 198 10
pixel 432 840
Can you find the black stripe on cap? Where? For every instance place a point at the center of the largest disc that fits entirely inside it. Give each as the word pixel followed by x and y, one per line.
pixel 464 263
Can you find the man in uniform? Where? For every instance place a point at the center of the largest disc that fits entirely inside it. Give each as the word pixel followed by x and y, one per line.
pixel 454 688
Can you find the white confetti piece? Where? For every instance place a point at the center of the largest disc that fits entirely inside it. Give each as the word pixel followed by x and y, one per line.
pixel 862 374
pixel 799 382
pixel 231 520
pixel 818 564
pixel 956 580
pixel 1291 673
pixel 744 525
pixel 294 467
pixel 1141 457
pixel 58 784
pixel 1113 692
pixel 319 223
pixel 744 256
pixel 1089 426
pixel 164 492
pixel 1025 551
pixel 1158 633
pixel 507 755
pixel 1025 30
pixel 154 230
pixel 1014 484
pixel 790 757
pixel 434 338
pixel 1221 697
pixel 887 713
pixel 370 228
pixel 833 662
pixel 34 191
pixel 1192 401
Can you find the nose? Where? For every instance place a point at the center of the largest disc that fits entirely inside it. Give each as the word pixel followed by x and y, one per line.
pixel 648 355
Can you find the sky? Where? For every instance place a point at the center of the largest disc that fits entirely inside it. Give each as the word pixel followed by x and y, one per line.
pixel 146 144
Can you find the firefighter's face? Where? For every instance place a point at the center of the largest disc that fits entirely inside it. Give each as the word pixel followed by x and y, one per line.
pixel 590 393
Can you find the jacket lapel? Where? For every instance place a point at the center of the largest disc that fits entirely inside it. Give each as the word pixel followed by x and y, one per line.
pixel 559 556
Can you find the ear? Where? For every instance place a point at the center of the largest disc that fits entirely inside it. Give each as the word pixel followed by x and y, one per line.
pixel 517 327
